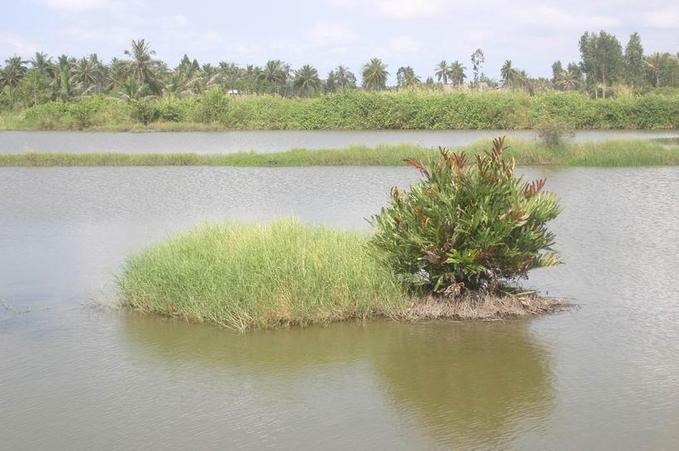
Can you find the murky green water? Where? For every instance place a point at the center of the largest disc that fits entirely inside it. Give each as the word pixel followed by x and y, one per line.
pixel 75 375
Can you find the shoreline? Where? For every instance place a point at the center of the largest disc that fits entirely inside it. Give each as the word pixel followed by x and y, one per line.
pixel 613 153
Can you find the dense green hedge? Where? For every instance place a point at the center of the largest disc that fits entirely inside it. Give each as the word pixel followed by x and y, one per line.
pixel 355 110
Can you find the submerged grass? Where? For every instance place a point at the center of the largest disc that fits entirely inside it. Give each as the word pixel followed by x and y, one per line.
pixel 286 274
pixel 602 154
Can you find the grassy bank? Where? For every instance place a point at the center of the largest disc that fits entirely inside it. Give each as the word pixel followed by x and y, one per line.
pixel 284 274
pixel 603 154
pixel 351 110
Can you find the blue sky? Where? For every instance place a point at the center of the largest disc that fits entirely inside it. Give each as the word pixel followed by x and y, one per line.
pixel 325 33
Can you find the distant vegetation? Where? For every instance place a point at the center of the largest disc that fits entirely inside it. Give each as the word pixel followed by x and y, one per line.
pixel 603 154
pixel 417 109
pixel 137 91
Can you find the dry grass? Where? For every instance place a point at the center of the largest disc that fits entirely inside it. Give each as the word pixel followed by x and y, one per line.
pixel 475 306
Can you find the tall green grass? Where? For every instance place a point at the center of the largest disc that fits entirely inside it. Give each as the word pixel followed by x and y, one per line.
pixel 244 276
pixel 610 153
pixel 417 109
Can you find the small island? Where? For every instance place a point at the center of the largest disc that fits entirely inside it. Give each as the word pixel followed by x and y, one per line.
pixel 450 247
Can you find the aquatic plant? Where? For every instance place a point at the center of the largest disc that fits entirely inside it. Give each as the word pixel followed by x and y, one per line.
pixel 466 226
pixel 243 276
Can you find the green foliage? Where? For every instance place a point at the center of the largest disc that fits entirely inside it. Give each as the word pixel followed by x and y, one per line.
pixel 144 111
pixel 604 154
pixel 552 132
pixel 353 109
pixel 75 115
pixel 466 226
pixel 210 107
pixel 243 276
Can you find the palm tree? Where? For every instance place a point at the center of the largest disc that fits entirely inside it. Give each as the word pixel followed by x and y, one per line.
pixel 406 77
pixel 11 75
pixel 42 63
pixel 442 72
pixel 375 75
pixel 567 81
pixel 61 84
pixel 118 72
pixel 508 73
pixel 275 73
pixel 84 76
pixel 230 74
pixel 143 68
pixel 344 78
pixel 306 81
pixel 131 89
pixel 457 74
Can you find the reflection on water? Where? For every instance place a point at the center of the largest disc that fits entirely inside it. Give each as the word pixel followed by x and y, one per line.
pixel 71 377
pixel 469 385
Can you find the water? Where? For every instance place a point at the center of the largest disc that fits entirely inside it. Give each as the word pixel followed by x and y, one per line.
pixel 76 374
pixel 272 140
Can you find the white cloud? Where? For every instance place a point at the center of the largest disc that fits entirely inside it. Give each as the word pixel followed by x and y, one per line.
pixel 409 8
pixel 175 21
pixel 404 44
pixel 402 9
pixel 11 44
pixel 325 33
pixel 557 18
pixel 83 5
pixel 667 19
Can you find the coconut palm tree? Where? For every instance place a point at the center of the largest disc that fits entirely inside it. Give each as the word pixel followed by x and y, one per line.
pixel 306 82
pixel 42 63
pixel 61 83
pixel 442 72
pixel 406 77
pixel 117 74
pixel 343 78
pixel 375 75
pixel 275 74
pixel 84 76
pixel 143 68
pixel 11 75
pixel 508 73
pixel 457 74
pixel 567 80
pixel 131 89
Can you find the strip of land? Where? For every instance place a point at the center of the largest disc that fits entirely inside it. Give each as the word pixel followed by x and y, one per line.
pixel 602 154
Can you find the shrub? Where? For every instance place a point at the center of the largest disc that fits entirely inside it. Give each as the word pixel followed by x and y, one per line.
pixel 466 226
pixel 552 132
pixel 144 110
pixel 211 107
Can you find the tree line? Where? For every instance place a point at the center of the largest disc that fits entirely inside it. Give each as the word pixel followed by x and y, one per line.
pixel 604 68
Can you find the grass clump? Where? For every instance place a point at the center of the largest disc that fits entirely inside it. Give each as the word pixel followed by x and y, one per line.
pixel 243 276
pixel 466 227
pixel 602 154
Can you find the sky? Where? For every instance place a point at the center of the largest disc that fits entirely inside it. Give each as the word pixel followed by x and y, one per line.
pixel 325 33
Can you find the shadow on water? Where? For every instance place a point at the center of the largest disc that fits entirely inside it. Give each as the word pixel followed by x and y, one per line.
pixel 459 384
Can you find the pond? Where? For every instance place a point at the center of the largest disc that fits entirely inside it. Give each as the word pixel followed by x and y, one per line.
pixel 78 374
pixel 273 140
